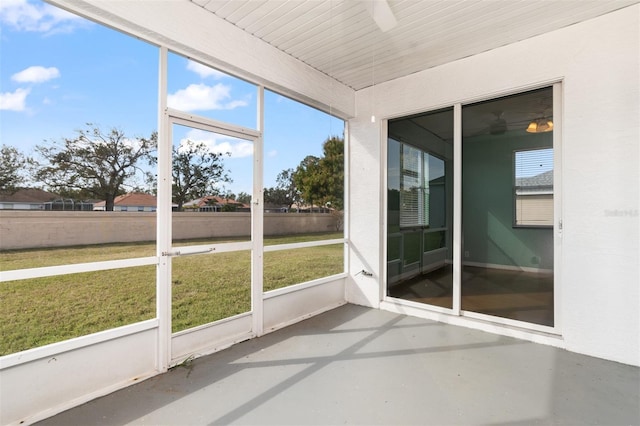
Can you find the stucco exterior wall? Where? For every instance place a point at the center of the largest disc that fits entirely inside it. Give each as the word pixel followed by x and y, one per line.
pixel 24 229
pixel 598 276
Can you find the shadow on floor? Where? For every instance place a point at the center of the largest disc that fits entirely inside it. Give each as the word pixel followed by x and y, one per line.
pixel 355 365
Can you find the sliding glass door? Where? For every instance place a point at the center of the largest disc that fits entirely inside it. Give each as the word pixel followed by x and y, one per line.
pixel 507 207
pixel 506 210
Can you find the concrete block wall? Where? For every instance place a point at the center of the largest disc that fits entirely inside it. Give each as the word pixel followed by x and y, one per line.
pixel 26 229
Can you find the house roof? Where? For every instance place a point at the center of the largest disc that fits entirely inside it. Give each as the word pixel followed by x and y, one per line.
pixel 213 199
pixel 542 180
pixel 134 199
pixel 28 195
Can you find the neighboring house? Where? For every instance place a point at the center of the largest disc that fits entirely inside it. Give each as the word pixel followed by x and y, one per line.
pixel 538 184
pixel 534 200
pixel 306 208
pixel 131 202
pixel 27 199
pixel 69 204
pixel 275 208
pixel 213 203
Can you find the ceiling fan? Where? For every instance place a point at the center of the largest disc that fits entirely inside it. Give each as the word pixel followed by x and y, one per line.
pixel 499 125
pixel 496 126
pixel 382 14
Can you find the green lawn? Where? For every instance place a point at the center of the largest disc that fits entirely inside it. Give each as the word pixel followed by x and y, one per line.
pixel 205 288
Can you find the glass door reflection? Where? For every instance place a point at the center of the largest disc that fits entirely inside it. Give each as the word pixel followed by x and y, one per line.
pixel 507 208
pixel 419 204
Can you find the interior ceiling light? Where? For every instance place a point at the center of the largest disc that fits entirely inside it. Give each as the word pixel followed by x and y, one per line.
pixel 540 125
pixel 382 14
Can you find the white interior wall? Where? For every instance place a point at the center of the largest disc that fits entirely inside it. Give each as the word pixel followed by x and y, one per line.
pixel 284 307
pixel 598 63
pixel 365 214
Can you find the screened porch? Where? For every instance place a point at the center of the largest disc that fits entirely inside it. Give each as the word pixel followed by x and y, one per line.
pixel 407 218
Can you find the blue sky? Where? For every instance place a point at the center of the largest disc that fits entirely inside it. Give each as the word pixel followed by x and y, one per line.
pixel 59 71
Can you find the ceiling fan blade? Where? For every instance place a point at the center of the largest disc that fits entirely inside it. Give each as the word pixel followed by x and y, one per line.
pixel 382 14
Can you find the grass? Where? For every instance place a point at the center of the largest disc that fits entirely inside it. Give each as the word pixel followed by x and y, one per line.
pixel 205 288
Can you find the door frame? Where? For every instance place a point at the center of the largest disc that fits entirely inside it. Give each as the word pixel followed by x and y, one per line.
pixel 206 337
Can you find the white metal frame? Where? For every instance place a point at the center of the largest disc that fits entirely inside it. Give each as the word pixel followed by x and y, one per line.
pixel 48 350
pixel 165 250
pixel 257 223
pixel 256 245
pixel 174 117
pixel 163 220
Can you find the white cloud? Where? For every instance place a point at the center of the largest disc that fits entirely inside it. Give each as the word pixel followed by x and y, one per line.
pixel 220 144
pixel 89 140
pixel 24 16
pixel 272 154
pixel 36 74
pixel 15 101
pixel 204 71
pixel 238 149
pixel 202 97
pixel 134 143
pixel 235 104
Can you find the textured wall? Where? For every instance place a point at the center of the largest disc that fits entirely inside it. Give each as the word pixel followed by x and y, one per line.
pixel 23 229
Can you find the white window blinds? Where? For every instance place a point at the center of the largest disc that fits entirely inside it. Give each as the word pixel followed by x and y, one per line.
pixel 414 187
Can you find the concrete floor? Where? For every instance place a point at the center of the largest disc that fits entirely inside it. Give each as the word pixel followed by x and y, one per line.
pixel 355 365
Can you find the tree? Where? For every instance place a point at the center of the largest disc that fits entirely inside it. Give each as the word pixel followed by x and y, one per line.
pixel 227 194
pixel 332 173
pixel 229 207
pixel 321 180
pixel 196 171
pixel 12 163
pixel 285 192
pixel 288 187
pixel 307 179
pixel 95 163
pixel 276 196
pixel 243 198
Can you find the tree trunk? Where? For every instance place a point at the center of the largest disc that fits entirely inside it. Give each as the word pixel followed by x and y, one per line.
pixel 109 203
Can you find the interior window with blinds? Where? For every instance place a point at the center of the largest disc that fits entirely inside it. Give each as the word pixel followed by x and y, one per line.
pixel 533 189
pixel 421 185
pixel 411 188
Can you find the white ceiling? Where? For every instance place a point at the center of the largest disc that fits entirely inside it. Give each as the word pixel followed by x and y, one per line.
pixel 341 39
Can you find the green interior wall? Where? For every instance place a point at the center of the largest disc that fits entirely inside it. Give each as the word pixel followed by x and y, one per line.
pixel 489 236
